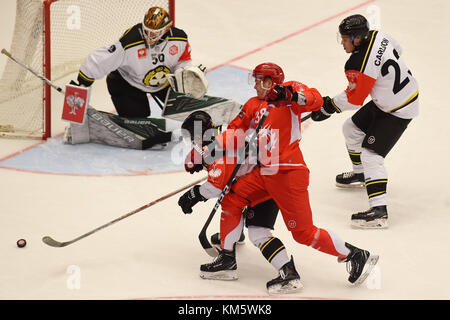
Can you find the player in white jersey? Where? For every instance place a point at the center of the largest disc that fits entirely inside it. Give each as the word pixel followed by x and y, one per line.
pixel 137 64
pixel 375 67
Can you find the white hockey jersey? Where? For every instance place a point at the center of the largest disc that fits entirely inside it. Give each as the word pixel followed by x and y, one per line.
pixel 377 68
pixel 141 66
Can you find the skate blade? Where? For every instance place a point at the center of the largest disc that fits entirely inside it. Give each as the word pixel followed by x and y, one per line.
pixel 374 224
pixel 291 287
pixel 226 275
pixel 370 264
pixel 351 185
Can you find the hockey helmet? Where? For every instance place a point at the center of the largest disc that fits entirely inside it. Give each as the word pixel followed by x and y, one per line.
pixel 354 26
pixel 196 124
pixel 268 69
pixel 156 23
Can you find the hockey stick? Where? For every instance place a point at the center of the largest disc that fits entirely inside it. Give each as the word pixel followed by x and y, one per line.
pixel 202 236
pixel 8 54
pixel 57 244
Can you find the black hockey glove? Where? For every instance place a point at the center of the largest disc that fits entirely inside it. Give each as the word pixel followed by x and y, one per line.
pixel 190 199
pixel 325 112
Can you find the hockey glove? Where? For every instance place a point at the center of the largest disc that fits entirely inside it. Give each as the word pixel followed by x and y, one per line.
pixel 325 112
pixel 280 93
pixel 194 160
pixel 190 199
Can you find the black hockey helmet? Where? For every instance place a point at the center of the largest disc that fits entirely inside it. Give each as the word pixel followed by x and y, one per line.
pixel 354 26
pixel 197 123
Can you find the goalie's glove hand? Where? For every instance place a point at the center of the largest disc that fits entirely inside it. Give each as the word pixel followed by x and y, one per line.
pixel 190 199
pixel 194 160
pixel 280 93
pixel 325 111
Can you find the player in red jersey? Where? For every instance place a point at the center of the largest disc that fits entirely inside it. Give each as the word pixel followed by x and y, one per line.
pixel 281 174
pixel 259 219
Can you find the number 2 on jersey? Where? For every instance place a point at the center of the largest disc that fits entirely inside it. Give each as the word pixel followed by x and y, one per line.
pixel 398 85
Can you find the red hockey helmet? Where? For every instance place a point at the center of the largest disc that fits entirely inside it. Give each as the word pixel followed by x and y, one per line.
pixel 268 69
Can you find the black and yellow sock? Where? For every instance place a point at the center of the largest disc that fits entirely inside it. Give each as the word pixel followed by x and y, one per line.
pixel 271 248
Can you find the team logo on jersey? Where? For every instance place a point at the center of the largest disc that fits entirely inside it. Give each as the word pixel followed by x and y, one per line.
pixel 157 77
pixel 142 53
pixel 112 49
pixel 371 140
pixel 215 173
pixel 173 50
pixel 352 79
pixel 268 137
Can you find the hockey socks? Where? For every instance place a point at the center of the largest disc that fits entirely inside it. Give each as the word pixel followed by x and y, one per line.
pixel 274 252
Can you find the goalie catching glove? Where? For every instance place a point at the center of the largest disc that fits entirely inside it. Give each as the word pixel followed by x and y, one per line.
pixel 190 80
pixel 190 199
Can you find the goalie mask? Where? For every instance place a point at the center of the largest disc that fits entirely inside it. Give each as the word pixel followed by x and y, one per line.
pixel 155 25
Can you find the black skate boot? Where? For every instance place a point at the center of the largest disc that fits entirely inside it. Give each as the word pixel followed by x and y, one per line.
pixel 359 264
pixel 215 239
pixel 224 266
pixel 350 180
pixel 287 282
pixel 374 218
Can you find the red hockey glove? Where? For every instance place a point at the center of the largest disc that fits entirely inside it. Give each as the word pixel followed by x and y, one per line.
pixel 194 160
pixel 279 93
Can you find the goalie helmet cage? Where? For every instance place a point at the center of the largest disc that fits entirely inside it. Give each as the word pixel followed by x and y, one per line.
pixel 53 37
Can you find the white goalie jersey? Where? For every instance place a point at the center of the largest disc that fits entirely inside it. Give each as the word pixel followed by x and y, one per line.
pixel 141 66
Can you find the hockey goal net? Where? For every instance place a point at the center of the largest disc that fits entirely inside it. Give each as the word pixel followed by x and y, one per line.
pixel 53 37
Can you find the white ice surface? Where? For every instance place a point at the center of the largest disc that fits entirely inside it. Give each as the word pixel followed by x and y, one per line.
pixel 156 254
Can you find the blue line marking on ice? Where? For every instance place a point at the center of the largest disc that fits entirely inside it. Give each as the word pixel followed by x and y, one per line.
pixel 55 157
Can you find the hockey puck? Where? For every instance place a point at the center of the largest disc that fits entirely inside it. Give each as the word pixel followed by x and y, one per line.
pixel 21 243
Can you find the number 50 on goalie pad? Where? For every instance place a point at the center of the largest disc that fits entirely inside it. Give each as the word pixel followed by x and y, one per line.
pixel 76 100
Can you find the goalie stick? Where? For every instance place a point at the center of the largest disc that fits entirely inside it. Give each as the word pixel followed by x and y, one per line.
pixel 57 244
pixel 210 250
pixel 8 54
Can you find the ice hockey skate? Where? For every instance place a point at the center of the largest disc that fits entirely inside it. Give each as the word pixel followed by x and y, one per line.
pixel 359 264
pixel 215 240
pixel 224 267
pixel 374 218
pixel 350 180
pixel 287 282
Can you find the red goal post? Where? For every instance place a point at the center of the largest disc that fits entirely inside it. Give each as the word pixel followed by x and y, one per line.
pixel 53 37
